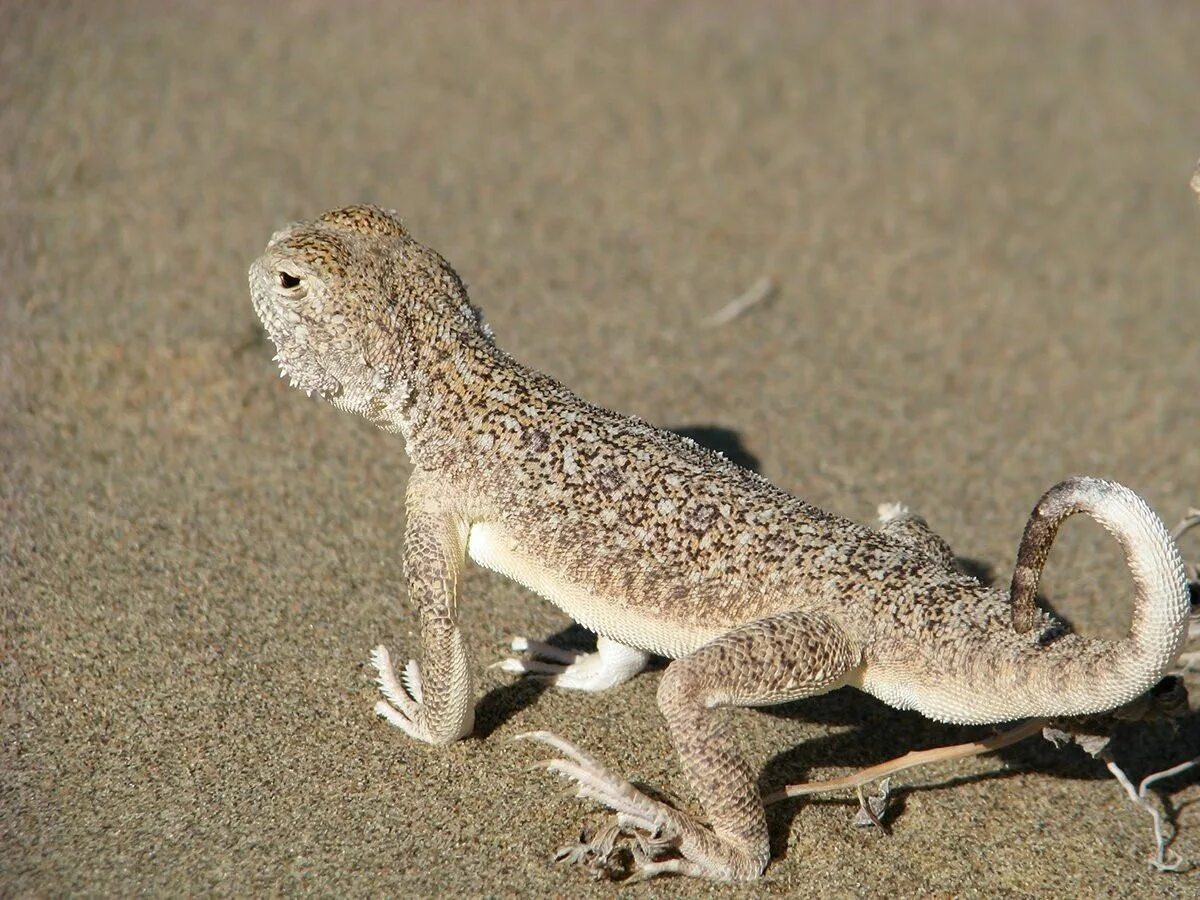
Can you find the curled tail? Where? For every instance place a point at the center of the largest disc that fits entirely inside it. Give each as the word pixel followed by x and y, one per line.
pixel 1161 602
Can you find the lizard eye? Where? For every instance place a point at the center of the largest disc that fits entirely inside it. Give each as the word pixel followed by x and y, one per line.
pixel 288 281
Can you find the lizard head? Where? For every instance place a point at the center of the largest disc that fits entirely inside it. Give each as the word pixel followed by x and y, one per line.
pixel 339 296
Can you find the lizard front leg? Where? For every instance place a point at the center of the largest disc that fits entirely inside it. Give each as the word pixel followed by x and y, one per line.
pixel 433 700
pixel 773 660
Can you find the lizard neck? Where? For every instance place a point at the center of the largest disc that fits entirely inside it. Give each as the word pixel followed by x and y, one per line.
pixel 439 401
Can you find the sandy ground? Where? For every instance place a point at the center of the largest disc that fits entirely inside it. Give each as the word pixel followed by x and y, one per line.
pixel 985 250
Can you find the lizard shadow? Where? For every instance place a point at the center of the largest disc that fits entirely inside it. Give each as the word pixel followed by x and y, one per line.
pixel 1139 748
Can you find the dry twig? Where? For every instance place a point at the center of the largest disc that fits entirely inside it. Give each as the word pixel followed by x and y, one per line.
pixel 755 294
pixel 1176 863
pixel 909 761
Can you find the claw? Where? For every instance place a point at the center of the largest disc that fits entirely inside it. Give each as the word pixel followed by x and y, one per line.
pixel 594 782
pixel 411 679
pixel 594 855
pixel 575 854
pixel 399 695
pixel 385 710
pixel 540 660
pixel 559 744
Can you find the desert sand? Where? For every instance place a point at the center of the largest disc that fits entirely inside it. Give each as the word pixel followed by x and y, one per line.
pixel 983 249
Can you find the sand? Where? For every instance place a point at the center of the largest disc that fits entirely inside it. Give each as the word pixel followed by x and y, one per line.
pixel 983 247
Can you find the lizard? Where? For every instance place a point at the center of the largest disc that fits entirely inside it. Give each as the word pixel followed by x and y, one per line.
pixel 664 548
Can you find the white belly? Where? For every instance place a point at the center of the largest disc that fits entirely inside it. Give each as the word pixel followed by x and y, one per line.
pixel 616 618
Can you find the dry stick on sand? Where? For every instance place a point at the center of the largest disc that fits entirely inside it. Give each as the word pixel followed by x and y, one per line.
pixel 755 294
pixel 909 761
pixel 1138 796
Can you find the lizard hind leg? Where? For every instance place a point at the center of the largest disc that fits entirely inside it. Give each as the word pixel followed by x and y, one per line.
pixel 898 521
pixel 772 660
pixel 609 665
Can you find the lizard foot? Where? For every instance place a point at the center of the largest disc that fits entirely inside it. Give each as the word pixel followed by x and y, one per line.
pixel 594 851
pixel 404 706
pixel 659 831
pixel 611 664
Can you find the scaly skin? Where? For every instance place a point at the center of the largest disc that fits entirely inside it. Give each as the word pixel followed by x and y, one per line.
pixel 662 547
